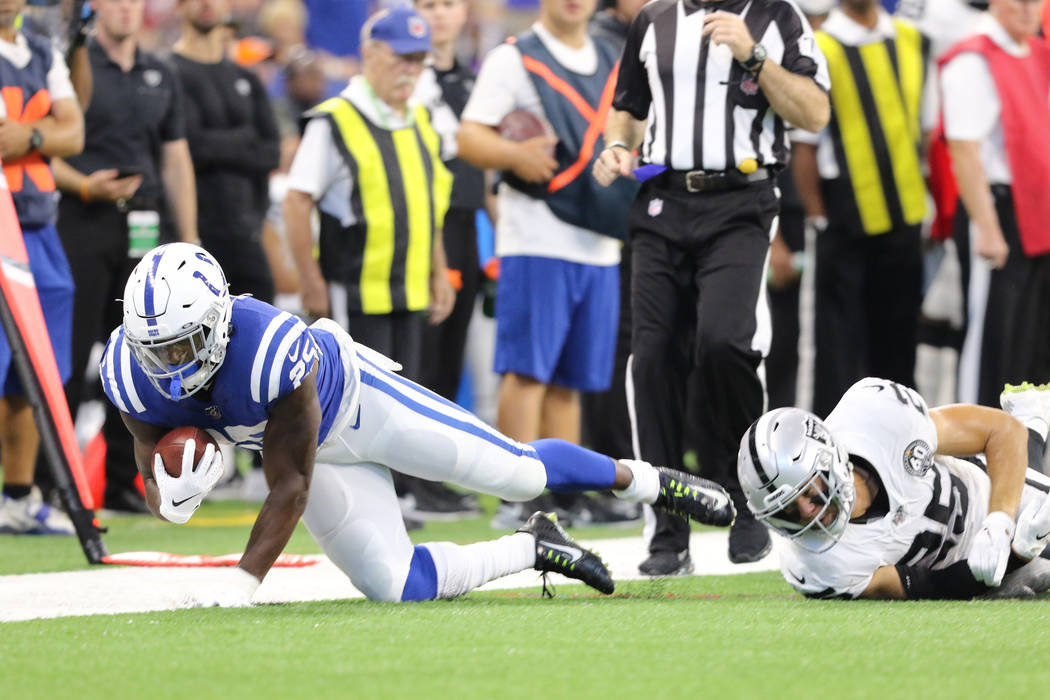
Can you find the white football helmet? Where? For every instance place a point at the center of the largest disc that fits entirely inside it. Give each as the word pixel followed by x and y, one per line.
pixel 177 310
pixel 788 453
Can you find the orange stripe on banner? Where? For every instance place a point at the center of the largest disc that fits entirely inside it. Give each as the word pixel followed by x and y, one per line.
pixel 590 137
pixel 540 69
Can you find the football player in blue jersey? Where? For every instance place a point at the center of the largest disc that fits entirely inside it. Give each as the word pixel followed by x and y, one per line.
pixel 332 419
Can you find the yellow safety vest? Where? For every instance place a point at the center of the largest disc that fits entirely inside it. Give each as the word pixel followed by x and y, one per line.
pixel 876 93
pixel 400 194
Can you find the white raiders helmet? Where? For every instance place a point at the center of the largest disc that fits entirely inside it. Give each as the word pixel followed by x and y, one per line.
pixel 782 455
pixel 177 310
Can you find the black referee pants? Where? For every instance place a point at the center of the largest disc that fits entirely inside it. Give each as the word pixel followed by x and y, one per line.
pixel 869 292
pixel 1013 343
pixel 698 309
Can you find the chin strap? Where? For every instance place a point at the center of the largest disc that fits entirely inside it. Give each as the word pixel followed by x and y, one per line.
pixel 175 386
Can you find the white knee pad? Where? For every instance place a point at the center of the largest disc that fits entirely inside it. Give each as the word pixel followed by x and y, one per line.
pixel 362 553
pixel 354 543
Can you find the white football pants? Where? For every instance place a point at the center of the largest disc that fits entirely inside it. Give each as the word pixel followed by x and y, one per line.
pixel 353 511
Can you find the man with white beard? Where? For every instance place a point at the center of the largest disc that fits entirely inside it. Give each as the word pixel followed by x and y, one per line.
pixel 370 160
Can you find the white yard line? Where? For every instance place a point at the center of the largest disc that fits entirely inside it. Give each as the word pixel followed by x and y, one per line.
pixel 116 589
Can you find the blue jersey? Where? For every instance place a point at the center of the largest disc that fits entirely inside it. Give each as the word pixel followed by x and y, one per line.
pixel 269 354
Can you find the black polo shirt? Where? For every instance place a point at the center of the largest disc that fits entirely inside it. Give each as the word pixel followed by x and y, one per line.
pixel 131 116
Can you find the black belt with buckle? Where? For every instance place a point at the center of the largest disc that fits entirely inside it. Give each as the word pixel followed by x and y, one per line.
pixel 712 180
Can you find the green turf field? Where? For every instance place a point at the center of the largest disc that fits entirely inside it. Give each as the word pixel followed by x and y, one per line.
pixel 741 636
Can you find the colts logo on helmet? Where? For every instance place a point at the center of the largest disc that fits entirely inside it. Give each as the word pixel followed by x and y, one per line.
pixel 197 274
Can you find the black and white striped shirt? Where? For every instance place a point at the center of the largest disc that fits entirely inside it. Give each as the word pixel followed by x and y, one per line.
pixel 704 110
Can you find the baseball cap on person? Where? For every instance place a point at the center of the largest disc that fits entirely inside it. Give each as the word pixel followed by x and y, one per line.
pixel 402 28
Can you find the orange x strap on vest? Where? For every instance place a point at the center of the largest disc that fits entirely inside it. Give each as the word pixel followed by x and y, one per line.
pixel 595 119
pixel 32 163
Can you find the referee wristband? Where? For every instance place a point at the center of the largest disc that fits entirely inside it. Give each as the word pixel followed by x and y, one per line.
pixel 618 144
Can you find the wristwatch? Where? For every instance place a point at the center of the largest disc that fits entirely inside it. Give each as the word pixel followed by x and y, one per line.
pixel 758 56
pixel 36 140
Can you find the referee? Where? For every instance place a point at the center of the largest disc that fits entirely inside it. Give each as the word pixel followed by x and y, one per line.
pixel 711 102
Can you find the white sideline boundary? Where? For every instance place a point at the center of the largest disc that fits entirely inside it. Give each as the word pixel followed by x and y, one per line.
pixel 111 590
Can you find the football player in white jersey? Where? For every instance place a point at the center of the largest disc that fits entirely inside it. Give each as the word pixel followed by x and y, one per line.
pixel 332 419
pixel 877 502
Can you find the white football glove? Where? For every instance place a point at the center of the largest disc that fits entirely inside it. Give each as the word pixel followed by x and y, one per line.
pixel 1033 529
pixel 990 550
pixel 180 496
pixel 234 589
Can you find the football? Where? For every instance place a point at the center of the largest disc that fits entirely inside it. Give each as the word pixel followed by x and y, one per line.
pixel 522 125
pixel 170 447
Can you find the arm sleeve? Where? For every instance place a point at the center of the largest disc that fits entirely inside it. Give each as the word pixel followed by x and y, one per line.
pixel 268 147
pixel 58 82
pixel 286 360
pixel 317 163
pixel 173 126
pixel 801 53
pixel 495 93
pixel 633 94
pixel 970 101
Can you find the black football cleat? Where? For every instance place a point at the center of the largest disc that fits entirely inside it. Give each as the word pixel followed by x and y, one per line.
pixel 691 497
pixel 557 552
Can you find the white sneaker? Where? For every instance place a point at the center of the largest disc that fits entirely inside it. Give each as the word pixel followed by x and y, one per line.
pixel 1029 404
pixel 31 516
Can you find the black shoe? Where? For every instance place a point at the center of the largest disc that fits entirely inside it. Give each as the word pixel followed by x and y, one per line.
pixel 126 500
pixel 604 510
pixel 435 501
pixel 557 552
pixel 691 497
pixel 667 563
pixel 512 515
pixel 748 539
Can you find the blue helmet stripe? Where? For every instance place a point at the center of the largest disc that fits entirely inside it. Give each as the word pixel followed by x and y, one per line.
pixel 151 313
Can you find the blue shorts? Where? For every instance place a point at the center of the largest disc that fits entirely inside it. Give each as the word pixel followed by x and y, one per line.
pixel 54 286
pixel 556 321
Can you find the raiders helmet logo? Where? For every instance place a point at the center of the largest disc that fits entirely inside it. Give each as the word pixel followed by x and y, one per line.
pixel 918 458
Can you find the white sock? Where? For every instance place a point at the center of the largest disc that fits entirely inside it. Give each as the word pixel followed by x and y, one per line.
pixel 462 568
pixel 644 487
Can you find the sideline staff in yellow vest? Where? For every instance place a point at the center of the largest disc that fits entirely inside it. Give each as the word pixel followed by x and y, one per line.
pixel 861 184
pixel 372 163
